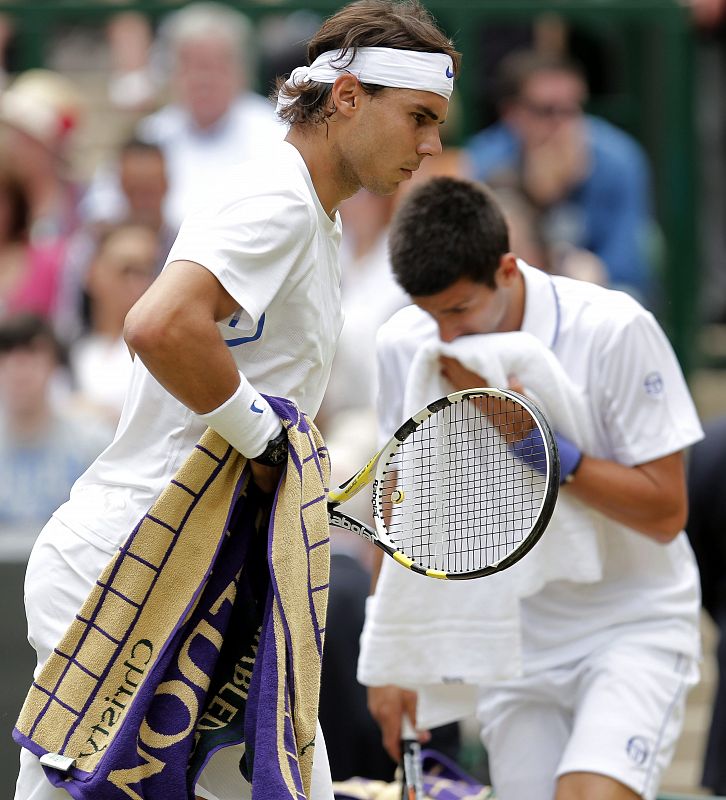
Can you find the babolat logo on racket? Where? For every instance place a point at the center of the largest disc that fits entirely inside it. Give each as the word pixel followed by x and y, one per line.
pixel 348 525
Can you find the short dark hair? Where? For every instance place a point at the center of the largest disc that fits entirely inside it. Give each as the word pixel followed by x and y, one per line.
pixel 517 67
pixel 136 145
pixel 23 329
pixel 402 25
pixel 444 230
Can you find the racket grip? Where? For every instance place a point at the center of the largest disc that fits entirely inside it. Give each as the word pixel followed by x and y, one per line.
pixel 412 785
pixel 408 732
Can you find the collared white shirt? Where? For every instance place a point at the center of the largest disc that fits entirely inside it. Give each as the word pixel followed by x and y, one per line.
pixel 641 410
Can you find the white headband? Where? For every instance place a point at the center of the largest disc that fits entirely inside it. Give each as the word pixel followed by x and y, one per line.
pixel 383 66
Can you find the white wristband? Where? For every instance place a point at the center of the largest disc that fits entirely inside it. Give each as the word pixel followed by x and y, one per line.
pixel 245 420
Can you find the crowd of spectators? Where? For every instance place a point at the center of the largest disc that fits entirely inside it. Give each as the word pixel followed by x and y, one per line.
pixel 74 257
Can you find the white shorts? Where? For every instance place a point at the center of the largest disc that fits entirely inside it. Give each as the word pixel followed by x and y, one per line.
pixel 618 712
pixel 62 570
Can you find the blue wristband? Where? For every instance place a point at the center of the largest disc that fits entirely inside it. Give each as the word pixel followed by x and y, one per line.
pixel 570 457
pixel 531 450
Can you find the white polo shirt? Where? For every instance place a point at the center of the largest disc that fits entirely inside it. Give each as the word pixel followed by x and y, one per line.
pixel 640 410
pixel 270 243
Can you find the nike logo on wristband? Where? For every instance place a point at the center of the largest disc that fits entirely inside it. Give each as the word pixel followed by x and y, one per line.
pixel 254 408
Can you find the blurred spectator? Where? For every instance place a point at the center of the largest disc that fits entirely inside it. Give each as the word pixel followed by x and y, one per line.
pixel 283 43
pixel 214 119
pixel 122 269
pixel 133 86
pixel 705 528
pixel 526 237
pixel 589 179
pixel 528 240
pixel 42 451
pixel 708 14
pixel 143 182
pixel 41 110
pixel 28 271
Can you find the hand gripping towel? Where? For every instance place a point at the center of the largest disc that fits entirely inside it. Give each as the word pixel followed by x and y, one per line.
pixel 204 631
pixel 446 638
pixel 572 547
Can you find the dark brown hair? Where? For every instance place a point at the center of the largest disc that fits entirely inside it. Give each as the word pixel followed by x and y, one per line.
pixel 22 330
pixel 517 67
pixel 402 25
pixel 446 229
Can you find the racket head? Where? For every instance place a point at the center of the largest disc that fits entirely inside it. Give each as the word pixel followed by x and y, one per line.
pixel 451 497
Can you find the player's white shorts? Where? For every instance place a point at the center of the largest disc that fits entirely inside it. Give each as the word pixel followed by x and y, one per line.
pixel 618 712
pixel 62 570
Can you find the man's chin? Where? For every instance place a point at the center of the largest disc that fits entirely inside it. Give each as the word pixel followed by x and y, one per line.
pixel 382 188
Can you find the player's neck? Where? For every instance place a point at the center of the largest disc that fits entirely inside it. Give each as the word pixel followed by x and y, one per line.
pixel 515 309
pixel 319 155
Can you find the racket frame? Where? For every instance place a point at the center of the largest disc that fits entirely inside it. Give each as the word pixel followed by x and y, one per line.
pixel 373 472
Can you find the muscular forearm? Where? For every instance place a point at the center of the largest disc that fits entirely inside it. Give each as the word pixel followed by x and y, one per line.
pixel 650 498
pixel 203 378
pixel 172 329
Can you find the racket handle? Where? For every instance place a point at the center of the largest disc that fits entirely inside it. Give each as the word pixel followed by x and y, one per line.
pixel 412 786
pixel 408 732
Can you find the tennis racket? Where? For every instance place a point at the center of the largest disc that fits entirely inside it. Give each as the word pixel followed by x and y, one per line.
pixel 456 495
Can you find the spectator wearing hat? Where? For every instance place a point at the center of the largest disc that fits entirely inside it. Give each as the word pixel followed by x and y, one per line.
pixel 40 112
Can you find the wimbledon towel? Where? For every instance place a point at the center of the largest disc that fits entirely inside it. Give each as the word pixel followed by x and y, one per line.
pixel 205 630
pixel 449 637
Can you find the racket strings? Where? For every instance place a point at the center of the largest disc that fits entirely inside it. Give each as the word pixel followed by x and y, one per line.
pixel 464 490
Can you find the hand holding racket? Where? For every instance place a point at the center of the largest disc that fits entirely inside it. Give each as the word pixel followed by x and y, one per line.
pixel 452 497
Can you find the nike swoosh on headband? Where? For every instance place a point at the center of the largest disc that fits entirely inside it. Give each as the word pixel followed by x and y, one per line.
pixel 384 66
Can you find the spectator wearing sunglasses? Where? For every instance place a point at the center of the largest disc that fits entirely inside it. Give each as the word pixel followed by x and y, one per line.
pixel 588 180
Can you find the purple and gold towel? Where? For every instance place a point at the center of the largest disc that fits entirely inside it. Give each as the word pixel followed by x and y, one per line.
pixel 205 630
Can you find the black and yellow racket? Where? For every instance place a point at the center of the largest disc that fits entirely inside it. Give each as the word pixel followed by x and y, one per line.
pixel 464 489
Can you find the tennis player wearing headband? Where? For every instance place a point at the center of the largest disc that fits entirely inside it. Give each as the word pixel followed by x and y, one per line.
pixel 249 302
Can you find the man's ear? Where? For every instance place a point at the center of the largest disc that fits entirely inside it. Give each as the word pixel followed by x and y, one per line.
pixel 346 94
pixel 507 270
